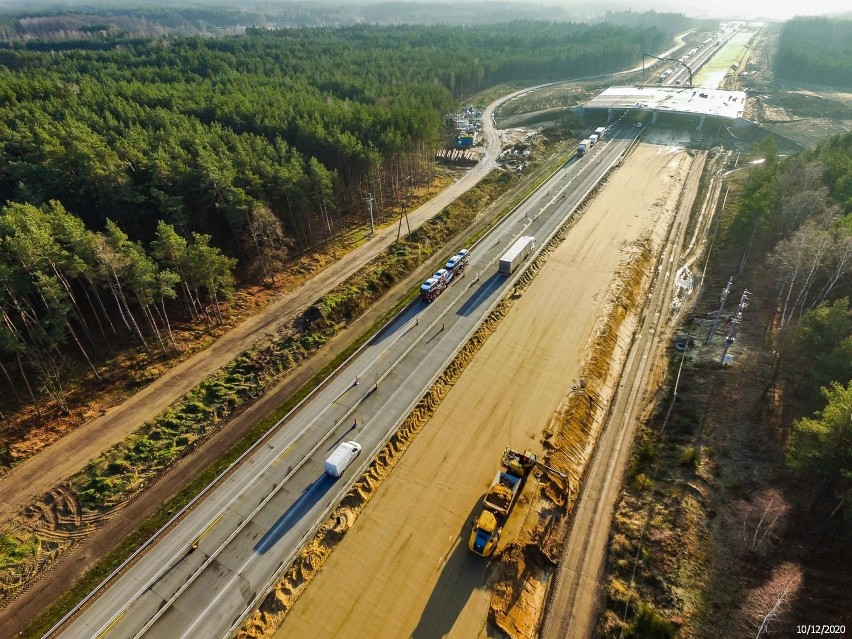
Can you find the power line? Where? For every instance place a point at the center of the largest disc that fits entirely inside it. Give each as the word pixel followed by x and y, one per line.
pixel 725 292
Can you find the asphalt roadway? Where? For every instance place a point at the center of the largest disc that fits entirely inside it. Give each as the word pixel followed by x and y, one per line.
pixel 201 576
pixel 681 76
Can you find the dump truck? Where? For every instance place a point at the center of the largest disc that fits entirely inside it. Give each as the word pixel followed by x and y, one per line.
pixel 584 146
pixel 499 501
pixel 516 254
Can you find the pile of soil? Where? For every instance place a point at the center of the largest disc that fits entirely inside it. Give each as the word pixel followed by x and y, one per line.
pixel 500 496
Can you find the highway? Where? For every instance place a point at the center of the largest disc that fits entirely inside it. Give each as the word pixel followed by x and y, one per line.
pixel 206 570
pixel 680 75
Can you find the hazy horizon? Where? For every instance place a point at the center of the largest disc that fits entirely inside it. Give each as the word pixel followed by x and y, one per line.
pixel 724 9
pixel 776 9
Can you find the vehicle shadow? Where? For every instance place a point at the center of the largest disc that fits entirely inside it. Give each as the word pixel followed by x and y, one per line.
pixel 401 324
pixel 307 500
pixel 345 436
pixel 487 287
pixel 462 575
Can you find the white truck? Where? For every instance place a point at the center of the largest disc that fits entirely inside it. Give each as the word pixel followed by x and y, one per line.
pixel 516 254
pixel 584 146
pixel 341 457
pixel 600 131
pixel 593 139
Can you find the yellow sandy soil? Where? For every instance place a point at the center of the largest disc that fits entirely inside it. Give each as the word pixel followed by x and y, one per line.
pixel 403 570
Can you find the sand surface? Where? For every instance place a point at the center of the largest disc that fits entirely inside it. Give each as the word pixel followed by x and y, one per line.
pixel 404 569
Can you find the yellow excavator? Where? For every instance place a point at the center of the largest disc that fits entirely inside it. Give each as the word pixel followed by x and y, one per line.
pixel 500 499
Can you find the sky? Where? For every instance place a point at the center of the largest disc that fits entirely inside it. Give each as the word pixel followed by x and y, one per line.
pixel 774 9
pixel 771 9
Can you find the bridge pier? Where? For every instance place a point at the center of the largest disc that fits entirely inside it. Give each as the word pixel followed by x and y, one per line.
pixel 700 123
pixel 654 117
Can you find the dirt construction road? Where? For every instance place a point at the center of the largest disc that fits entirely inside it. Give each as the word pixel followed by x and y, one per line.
pixel 404 569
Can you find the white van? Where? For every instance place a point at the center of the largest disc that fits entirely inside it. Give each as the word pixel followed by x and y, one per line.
pixel 341 457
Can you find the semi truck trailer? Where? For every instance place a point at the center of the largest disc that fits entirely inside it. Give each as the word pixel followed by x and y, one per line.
pixel 516 254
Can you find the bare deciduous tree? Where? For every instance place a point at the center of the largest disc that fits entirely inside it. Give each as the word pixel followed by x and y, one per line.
pixel 815 253
pixel 763 518
pixel 767 605
pixel 838 262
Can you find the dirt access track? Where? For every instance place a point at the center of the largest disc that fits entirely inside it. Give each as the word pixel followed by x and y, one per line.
pixel 403 569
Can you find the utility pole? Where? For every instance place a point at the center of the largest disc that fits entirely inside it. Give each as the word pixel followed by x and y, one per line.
pixel 738 317
pixel 725 293
pixel 370 205
pixel 404 211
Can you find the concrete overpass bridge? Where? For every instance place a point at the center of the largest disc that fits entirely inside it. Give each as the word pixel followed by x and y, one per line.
pixel 698 102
